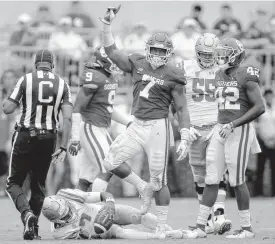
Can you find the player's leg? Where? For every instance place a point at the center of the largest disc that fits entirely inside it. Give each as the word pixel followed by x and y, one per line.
pixel 215 167
pixel 39 170
pixel 117 232
pixel 125 146
pixel 221 223
pixel 101 182
pixel 157 149
pixel 237 149
pixel 197 158
pixel 18 169
pixel 94 145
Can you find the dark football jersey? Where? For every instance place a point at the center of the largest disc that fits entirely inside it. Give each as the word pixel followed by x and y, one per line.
pixel 152 88
pixel 99 110
pixel 231 92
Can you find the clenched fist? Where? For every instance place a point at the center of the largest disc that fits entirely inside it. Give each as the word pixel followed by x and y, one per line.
pixel 110 14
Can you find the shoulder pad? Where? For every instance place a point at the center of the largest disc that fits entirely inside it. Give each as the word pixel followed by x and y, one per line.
pixel 91 78
pixel 190 67
pixel 71 194
pixel 178 75
pixel 251 73
pixel 135 57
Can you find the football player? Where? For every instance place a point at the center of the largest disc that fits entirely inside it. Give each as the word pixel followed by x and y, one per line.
pixel 239 103
pixel 203 110
pixel 94 105
pixel 74 214
pixel 156 82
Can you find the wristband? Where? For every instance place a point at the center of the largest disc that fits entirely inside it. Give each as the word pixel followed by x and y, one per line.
pixel 110 199
pixel 185 134
pixel 63 149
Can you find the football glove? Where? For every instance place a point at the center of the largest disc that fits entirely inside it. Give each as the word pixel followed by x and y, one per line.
pixel 110 14
pixel 184 144
pixel 226 130
pixel 59 155
pixel 194 134
pixel 74 147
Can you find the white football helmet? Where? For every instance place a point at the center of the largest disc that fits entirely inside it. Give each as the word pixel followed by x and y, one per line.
pixel 205 47
pixel 58 210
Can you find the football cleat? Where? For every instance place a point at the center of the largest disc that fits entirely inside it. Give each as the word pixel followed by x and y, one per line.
pixel 221 224
pixel 160 232
pixel 241 234
pixel 30 221
pixel 146 197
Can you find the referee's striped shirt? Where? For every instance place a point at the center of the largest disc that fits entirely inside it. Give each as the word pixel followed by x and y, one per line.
pixel 40 95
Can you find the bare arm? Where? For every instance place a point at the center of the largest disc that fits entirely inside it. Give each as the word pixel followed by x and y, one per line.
pixel 253 93
pixel 83 97
pixel 180 102
pixel 67 123
pixel 9 106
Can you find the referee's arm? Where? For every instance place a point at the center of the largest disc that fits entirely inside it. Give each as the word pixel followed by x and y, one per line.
pixel 12 102
pixel 67 109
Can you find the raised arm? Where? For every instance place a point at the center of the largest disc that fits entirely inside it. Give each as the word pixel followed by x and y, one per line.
pixel 118 57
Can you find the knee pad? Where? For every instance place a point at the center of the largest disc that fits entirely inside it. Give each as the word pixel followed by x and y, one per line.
pixel 223 185
pixel 199 188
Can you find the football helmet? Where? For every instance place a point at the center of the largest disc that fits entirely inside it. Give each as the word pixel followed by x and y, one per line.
pixel 159 49
pixel 205 47
pixel 229 53
pixel 101 59
pixel 58 210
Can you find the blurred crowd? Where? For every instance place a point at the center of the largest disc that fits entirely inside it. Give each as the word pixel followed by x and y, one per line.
pixel 72 38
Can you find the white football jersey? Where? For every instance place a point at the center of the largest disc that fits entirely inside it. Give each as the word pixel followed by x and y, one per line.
pixel 200 90
pixel 83 226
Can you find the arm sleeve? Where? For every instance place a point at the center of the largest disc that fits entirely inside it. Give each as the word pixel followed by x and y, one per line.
pixel 18 90
pixel 67 97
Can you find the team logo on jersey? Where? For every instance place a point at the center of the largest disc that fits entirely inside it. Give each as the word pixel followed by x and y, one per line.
pixel 110 86
pixel 140 69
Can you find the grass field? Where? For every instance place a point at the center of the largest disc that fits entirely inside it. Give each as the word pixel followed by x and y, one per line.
pixel 182 213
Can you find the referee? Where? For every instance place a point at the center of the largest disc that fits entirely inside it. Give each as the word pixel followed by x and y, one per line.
pixel 41 95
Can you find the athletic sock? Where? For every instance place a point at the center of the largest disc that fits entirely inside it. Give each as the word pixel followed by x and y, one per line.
pixel 203 215
pixel 245 218
pixel 162 213
pixel 136 181
pixel 99 185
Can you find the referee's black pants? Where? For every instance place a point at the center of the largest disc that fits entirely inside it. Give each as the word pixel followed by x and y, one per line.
pixel 30 155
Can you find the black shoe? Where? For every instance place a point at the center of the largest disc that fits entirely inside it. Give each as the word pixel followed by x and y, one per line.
pixel 36 236
pixel 30 220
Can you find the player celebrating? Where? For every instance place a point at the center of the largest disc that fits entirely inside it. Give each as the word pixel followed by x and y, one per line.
pixel 203 111
pixel 94 103
pixel 74 215
pixel 239 103
pixel 155 84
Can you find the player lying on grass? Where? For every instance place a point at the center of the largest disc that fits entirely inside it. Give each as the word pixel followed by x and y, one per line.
pixel 75 214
